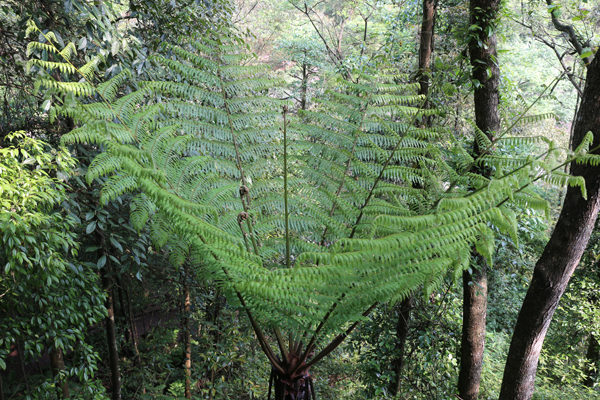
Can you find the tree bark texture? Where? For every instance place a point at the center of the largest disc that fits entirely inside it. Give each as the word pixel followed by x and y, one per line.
pixel 486 79
pixel 111 338
pixel 304 87
pixel 560 257
pixel 426 45
pixel 475 292
pixel 401 334
pixel 58 366
pixel 486 73
pixel 133 328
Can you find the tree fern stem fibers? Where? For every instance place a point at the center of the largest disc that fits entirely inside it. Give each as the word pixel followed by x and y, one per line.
pixel 288 258
pixel 58 368
pixel 560 256
pixel 244 191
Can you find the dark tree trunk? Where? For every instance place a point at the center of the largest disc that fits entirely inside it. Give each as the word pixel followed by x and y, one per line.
pixel 486 73
pixel 560 257
pixel 122 310
pixel 473 332
pixel 111 338
pixel 592 357
pixel 426 45
pixel 423 77
pixel 401 333
pixel 304 87
pixel 298 387
pixel 58 366
pixel 133 327
pixel 486 79
pixel 187 338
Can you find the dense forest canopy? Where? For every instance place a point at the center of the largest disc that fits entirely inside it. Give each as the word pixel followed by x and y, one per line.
pixel 299 200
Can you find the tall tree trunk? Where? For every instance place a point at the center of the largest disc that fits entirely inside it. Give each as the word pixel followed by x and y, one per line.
pixel 426 46
pixel 401 334
pixel 423 77
pixel 304 87
pixel 111 337
pixel 58 367
pixel 133 328
pixel 187 337
pixel 560 257
pixel 486 79
pixel 592 357
pixel 122 310
pixel 473 331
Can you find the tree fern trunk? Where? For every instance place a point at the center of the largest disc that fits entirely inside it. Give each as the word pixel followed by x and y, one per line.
pixel 296 388
pixel 560 257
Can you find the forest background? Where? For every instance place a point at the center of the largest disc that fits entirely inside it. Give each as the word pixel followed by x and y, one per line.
pixel 85 279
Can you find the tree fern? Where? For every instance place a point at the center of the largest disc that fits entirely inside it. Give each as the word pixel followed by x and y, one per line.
pixel 306 225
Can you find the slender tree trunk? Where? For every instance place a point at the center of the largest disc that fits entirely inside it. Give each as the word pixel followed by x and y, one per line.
pixel 401 333
pixel 486 79
pixel 560 257
pixel 187 338
pixel 111 337
pixel 473 331
pixel 592 357
pixel 122 310
pixel 134 334
pixel 423 77
pixel 304 87
pixel 426 46
pixel 1 388
pixel 58 366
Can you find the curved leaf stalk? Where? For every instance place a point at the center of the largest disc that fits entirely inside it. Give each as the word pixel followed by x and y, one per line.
pixel 244 191
pixel 288 259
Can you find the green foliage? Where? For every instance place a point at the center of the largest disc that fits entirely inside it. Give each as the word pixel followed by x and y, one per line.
pixel 48 298
pixel 377 207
